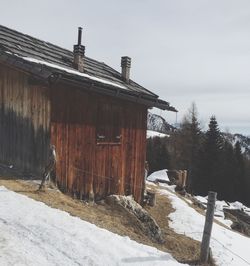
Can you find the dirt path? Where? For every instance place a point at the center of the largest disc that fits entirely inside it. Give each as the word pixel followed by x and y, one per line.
pixel 184 249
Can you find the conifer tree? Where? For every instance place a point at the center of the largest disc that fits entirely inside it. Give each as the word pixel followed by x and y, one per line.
pixel 228 176
pixel 190 138
pixel 240 180
pixel 211 167
pixel 213 163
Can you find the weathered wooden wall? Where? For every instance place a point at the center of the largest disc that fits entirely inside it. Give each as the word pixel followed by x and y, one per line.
pixel 86 166
pixel 32 116
pixel 24 122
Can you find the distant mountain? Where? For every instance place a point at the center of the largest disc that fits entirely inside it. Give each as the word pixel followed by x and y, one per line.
pixel 159 124
pixel 244 141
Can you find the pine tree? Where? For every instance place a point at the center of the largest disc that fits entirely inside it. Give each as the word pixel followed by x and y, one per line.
pixel 210 177
pixel 240 180
pixel 228 176
pixel 247 180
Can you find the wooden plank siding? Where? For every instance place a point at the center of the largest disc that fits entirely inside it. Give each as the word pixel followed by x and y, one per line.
pixel 33 116
pixel 24 122
pixel 86 166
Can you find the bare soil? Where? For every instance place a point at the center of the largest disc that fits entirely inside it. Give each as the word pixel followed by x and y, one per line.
pixel 182 248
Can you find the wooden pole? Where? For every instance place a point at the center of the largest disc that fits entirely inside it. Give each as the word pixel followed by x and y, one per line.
pixel 184 178
pixel 208 227
pixel 152 198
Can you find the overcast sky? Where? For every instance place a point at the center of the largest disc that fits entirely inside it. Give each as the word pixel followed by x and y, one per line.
pixel 183 50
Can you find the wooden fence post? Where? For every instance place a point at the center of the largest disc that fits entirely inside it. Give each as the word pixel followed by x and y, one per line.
pixel 152 198
pixel 208 227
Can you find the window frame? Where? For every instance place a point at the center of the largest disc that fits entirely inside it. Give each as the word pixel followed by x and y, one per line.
pixel 108 123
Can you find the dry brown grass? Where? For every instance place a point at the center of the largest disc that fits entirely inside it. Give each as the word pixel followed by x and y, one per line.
pixel 183 248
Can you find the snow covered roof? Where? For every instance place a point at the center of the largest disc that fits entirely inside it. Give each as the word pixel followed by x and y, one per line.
pixel 48 61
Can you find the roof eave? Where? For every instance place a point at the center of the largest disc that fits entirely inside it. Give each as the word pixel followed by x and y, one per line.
pixel 50 75
pixel 116 92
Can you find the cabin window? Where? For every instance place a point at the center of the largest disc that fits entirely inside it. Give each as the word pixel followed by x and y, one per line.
pixel 108 128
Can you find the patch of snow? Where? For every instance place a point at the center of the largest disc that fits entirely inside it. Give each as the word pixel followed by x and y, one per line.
pixel 151 134
pixel 168 187
pixel 239 206
pixel 187 200
pixel 224 221
pixel 220 205
pixel 158 175
pixel 202 199
pixel 218 212
pixel 71 71
pixel 228 248
pixel 31 234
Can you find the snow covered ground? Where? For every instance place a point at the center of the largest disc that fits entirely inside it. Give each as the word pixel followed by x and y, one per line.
pixel 228 248
pixel 220 205
pixel 151 134
pixel 31 233
pixel 158 175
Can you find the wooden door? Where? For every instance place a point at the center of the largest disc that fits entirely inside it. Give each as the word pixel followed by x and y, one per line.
pixel 108 161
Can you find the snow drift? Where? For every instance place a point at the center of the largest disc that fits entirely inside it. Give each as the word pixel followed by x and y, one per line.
pixel 34 234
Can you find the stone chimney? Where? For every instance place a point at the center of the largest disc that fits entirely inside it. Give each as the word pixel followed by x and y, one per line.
pixel 79 51
pixel 126 64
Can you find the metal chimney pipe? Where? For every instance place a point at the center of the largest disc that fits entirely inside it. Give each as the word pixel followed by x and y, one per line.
pixel 79 35
pixel 79 52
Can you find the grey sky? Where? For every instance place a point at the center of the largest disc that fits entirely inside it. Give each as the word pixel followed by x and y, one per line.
pixel 183 50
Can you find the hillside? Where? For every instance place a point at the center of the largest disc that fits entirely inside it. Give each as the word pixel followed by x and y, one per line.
pixel 182 248
pixel 32 229
pixel 158 124
pixel 228 247
pixel 34 234
pixel 243 140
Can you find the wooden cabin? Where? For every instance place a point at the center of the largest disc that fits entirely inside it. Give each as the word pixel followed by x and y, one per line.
pixel 94 115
